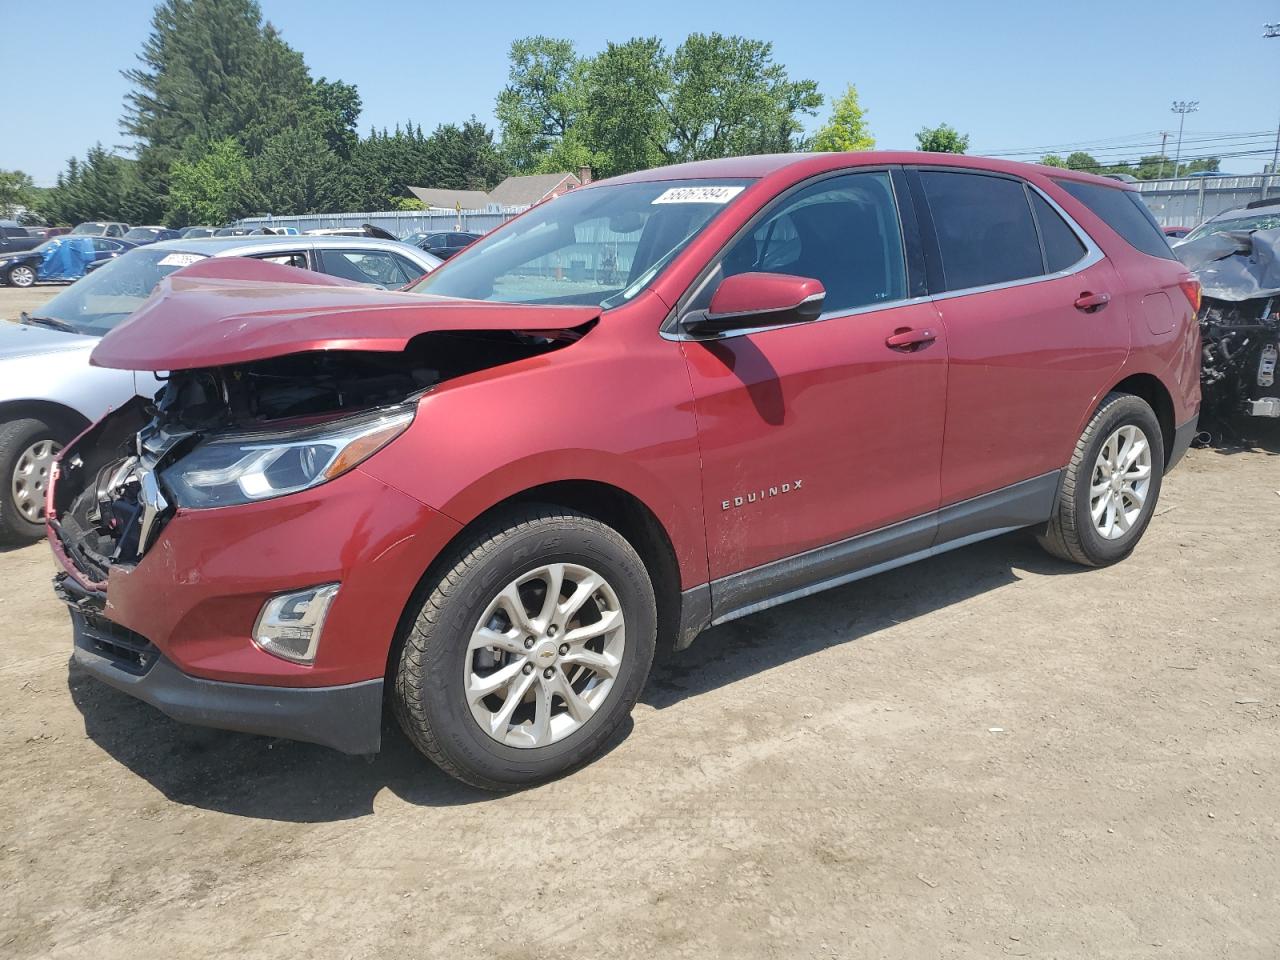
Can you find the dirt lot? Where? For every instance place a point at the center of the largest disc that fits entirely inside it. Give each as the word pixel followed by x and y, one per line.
pixel 989 754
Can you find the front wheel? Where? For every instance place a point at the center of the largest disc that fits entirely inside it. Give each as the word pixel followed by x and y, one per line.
pixel 1110 488
pixel 22 275
pixel 526 654
pixel 27 449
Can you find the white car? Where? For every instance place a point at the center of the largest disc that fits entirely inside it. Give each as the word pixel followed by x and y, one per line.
pixel 48 390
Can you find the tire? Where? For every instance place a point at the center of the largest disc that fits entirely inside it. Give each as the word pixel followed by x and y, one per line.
pixel 437 658
pixel 21 275
pixel 1072 533
pixel 17 438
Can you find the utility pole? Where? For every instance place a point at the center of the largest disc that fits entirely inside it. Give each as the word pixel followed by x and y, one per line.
pixel 1270 32
pixel 1164 138
pixel 1182 108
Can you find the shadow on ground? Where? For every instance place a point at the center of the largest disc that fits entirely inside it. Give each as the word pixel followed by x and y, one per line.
pixel 282 780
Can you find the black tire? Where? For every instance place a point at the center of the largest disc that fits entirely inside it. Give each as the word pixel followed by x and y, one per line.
pixel 21 275
pixel 1071 534
pixel 16 437
pixel 428 697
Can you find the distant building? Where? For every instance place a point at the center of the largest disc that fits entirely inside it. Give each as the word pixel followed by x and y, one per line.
pixel 513 193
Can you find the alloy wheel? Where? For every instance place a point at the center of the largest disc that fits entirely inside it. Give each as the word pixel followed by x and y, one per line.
pixel 1120 482
pixel 544 656
pixel 31 479
pixel 22 276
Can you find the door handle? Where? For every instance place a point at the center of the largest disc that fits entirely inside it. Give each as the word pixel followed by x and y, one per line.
pixel 1092 302
pixel 908 339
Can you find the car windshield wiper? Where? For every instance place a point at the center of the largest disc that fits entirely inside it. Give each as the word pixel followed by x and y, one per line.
pixel 52 322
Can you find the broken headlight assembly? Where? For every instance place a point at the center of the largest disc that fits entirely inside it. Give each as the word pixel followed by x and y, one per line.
pixel 244 468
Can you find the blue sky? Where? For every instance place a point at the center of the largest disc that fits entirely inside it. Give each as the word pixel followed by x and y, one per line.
pixel 1013 75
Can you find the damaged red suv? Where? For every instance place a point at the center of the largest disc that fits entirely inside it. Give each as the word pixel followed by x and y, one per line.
pixel 656 403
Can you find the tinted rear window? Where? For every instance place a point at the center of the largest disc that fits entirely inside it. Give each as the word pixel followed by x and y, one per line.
pixel 1062 247
pixel 1125 213
pixel 984 227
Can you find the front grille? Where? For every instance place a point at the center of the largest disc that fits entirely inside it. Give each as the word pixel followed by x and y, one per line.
pixel 126 649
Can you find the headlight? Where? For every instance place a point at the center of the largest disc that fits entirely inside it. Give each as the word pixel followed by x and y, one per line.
pixel 241 469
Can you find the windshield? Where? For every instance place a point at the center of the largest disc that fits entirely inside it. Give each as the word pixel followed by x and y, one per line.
pixel 142 233
pixel 105 297
pixel 89 229
pixel 598 246
pixel 1261 221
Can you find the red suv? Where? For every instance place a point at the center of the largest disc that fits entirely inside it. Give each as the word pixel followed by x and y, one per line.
pixel 656 403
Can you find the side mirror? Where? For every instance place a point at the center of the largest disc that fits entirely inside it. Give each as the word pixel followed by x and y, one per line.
pixel 756 300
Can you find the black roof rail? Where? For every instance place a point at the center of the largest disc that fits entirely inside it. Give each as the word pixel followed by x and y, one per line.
pixel 1269 202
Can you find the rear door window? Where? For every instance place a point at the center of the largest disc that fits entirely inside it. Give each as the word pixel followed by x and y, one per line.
pixel 1062 247
pixel 366 266
pixel 986 234
pixel 1125 213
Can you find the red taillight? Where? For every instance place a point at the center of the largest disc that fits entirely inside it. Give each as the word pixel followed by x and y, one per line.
pixel 1191 287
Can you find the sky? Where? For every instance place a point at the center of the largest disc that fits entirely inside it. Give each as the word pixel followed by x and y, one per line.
pixel 1018 77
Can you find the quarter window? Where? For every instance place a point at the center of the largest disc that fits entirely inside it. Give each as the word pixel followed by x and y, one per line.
pixel 842 231
pixel 1125 213
pixel 298 260
pixel 1062 247
pixel 984 228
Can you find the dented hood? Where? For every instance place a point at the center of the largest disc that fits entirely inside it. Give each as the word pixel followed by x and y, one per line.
pixel 230 310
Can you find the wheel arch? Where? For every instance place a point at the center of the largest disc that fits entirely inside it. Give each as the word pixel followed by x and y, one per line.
pixel 606 502
pixel 70 420
pixel 1149 387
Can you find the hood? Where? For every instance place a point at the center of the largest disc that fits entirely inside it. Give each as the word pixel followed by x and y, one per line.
pixel 22 340
pixel 9 256
pixel 1235 266
pixel 229 310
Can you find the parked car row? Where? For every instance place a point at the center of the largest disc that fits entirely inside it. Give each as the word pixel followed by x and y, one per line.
pixel 64 258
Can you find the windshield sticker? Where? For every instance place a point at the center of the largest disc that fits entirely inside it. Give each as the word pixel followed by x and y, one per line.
pixel 698 195
pixel 180 259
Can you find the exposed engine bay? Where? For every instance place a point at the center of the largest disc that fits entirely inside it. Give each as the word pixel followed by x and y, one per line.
pixel 223 435
pixel 1239 273
pixel 1240 346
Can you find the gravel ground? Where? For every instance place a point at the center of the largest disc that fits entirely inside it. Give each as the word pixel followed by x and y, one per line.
pixel 988 754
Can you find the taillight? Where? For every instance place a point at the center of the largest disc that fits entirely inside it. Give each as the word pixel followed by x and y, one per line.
pixel 1191 287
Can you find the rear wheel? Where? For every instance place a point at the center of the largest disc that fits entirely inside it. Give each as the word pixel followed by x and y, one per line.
pixel 27 449
pixel 525 656
pixel 1111 486
pixel 22 275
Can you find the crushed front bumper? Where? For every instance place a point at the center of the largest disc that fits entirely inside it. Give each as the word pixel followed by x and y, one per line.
pixel 347 717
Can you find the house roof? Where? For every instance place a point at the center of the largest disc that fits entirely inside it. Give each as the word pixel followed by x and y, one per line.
pixel 452 199
pixel 526 191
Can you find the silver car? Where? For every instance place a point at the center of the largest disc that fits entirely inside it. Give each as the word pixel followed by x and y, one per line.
pixel 48 390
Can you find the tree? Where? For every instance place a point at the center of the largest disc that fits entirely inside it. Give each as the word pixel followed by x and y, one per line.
pixel 542 99
pixel 1079 160
pixel 213 189
pixel 103 186
pixel 464 158
pixel 1052 160
pixel 635 104
pixel 728 97
pixel 296 172
pixel 17 193
pixel 942 139
pixel 847 129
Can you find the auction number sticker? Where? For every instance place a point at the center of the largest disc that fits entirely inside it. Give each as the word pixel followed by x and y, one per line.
pixel 180 259
pixel 698 195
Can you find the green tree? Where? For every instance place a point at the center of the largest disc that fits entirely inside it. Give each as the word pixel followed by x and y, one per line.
pixel 847 129
pixel 17 192
pixel 728 97
pixel 942 139
pixel 624 123
pixel 464 158
pixel 635 104
pixel 1079 160
pixel 215 187
pixel 1052 160
pixel 297 172
pixel 541 101
pixel 103 186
